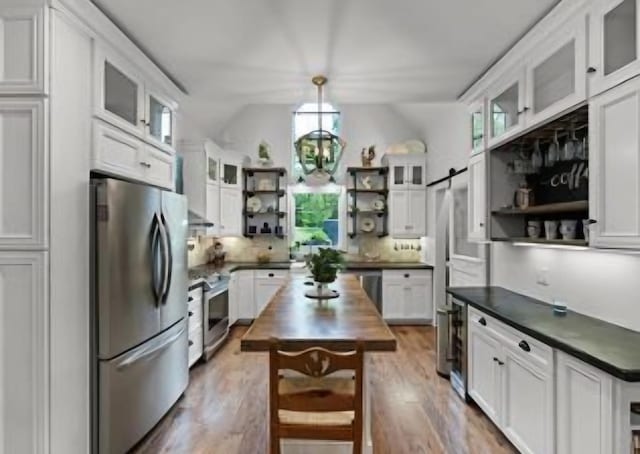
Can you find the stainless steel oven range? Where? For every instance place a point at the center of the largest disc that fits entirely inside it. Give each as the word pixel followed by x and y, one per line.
pixel 216 314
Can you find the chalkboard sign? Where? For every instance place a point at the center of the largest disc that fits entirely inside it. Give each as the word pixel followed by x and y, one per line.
pixel 565 181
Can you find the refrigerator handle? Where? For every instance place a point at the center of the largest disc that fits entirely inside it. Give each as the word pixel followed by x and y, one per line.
pixel 168 259
pixel 155 238
pixel 149 350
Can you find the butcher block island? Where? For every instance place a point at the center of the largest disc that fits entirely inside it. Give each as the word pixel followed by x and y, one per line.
pixel 299 323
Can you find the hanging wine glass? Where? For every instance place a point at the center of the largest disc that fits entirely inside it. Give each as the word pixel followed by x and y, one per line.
pixel 553 153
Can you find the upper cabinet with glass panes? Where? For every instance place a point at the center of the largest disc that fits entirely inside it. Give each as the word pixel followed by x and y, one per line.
pixel 124 100
pixel 478 126
pixel 406 171
pixel 507 107
pixel 613 43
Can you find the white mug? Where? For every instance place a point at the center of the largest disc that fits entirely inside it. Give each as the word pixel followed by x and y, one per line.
pixel 568 229
pixel 534 228
pixel 551 230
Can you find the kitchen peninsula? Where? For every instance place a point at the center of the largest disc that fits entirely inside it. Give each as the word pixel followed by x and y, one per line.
pixel 301 323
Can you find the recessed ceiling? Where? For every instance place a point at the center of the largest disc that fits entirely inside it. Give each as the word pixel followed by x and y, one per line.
pixel 229 53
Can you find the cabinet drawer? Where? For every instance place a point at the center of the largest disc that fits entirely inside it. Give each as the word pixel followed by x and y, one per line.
pixel 525 345
pixel 116 152
pixel 196 294
pixel 406 274
pixel 195 312
pixel 159 167
pixel 195 351
pixel 271 274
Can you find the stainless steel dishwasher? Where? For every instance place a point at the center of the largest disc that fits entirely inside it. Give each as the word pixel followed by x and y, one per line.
pixel 371 282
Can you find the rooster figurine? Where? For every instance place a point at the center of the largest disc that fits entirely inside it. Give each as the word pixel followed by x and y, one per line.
pixel 368 155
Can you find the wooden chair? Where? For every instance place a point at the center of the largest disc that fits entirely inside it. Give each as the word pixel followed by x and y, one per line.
pixel 313 405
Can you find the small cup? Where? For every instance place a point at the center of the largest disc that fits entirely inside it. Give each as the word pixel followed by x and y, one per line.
pixel 568 229
pixel 551 230
pixel 559 307
pixel 534 228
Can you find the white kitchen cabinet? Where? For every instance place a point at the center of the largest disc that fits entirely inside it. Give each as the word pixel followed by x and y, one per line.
pixel 477 198
pixel 511 377
pixel 584 407
pixel 23 174
pixel 556 71
pixel 234 310
pixel 477 113
pixel 484 381
pixel 230 171
pixel 407 171
pixel 614 43
pixel 120 154
pixel 212 212
pixel 22 60
pixel 407 295
pixel 201 181
pixel 230 212
pixel 243 296
pixel 614 167
pixel 527 403
pixel 24 396
pixel 266 284
pixel 407 213
pixel 195 313
pixel 126 100
pixel 506 104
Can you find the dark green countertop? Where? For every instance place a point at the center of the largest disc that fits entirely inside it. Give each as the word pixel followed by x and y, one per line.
pixel 608 347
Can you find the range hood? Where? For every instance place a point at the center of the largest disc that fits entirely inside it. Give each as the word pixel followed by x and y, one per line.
pixel 197 221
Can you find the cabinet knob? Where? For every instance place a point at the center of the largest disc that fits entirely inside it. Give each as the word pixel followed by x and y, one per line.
pixel 482 321
pixel 190 314
pixel 190 299
pixel 591 70
pixel 190 343
pixel 524 109
pixel 525 346
pixel 481 224
pixel 406 275
pixel 145 164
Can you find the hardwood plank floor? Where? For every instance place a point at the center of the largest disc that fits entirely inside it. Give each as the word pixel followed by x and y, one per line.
pixel 224 410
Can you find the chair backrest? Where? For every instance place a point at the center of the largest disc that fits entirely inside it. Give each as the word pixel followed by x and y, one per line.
pixel 316 363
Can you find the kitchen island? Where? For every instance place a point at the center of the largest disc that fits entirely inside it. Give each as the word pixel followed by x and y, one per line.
pixel 300 323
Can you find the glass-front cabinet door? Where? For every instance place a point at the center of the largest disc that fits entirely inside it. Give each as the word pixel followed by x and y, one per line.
pixel 212 169
pixel 230 173
pixel 119 94
pixel 615 41
pixel 398 174
pixel 506 107
pixel 160 121
pixel 556 77
pixel 476 113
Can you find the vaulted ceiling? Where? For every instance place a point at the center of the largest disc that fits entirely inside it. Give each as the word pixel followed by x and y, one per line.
pixel 230 53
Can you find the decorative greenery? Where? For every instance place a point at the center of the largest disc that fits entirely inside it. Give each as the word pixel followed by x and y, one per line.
pixel 325 264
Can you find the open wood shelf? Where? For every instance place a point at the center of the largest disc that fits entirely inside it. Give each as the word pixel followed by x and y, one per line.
pixel 251 170
pixel 551 208
pixel 354 210
pixel 378 170
pixel 369 191
pixel 262 235
pixel 251 214
pixel 559 241
pixel 251 193
pixel 378 213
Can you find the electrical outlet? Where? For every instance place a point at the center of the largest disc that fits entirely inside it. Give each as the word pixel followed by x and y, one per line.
pixel 542 276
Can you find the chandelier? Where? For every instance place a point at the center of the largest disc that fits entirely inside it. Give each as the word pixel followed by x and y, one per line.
pixel 319 151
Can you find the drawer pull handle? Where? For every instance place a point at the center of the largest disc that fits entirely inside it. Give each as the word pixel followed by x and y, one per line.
pixel 190 299
pixel 270 274
pixel 190 314
pixel 482 321
pixel 525 346
pixel 190 343
pixel 496 360
pixel 591 70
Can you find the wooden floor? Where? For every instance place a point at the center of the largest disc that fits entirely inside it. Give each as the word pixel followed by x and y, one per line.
pixel 224 410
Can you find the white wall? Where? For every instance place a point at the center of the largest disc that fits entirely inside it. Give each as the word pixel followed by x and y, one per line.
pixel 362 125
pixel 605 285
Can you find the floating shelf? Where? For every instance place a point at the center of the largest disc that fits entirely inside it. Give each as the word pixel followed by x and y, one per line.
pixel 251 170
pixel 263 235
pixel 369 191
pixel 378 213
pixel 280 192
pixel 559 241
pixel 378 170
pixel 379 235
pixel 251 214
pixel 551 208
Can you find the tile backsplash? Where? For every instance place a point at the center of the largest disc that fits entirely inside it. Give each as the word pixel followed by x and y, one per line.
pixel 359 249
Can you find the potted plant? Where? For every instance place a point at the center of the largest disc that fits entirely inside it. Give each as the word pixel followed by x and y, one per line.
pixel 324 266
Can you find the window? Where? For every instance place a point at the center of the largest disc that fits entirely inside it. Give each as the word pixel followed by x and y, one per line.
pixel 305 120
pixel 316 218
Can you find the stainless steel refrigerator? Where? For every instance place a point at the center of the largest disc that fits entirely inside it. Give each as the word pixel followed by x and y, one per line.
pixel 139 309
